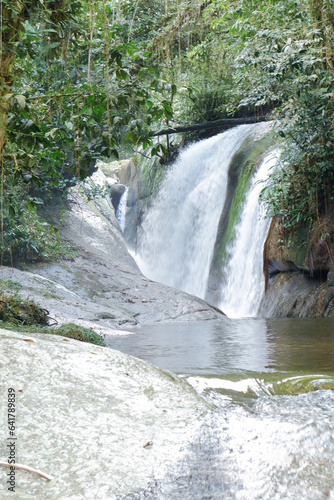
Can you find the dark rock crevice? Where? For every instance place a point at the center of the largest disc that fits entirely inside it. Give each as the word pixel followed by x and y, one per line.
pixel 293 294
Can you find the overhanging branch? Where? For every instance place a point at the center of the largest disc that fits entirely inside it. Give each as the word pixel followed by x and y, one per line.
pixel 223 123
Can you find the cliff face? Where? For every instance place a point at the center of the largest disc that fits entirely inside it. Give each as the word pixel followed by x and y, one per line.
pixel 299 271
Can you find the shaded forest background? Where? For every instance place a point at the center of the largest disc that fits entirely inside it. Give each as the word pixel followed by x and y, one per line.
pixel 89 80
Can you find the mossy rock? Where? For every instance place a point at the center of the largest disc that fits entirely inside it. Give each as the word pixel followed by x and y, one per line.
pixel 285 245
pixel 15 310
pixel 306 244
pixel 151 176
pixel 26 315
pixel 80 333
pixel 243 166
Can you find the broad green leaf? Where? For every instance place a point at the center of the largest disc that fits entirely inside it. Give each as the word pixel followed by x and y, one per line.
pixel 69 125
pixel 52 132
pixel 87 110
pixel 50 46
pixel 21 101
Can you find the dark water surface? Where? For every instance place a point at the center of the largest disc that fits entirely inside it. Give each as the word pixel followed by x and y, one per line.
pixel 235 345
pixel 271 434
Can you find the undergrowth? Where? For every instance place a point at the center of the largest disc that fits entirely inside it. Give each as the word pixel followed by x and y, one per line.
pixel 26 316
pixel 28 233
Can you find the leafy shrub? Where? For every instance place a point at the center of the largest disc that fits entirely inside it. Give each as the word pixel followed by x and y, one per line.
pixel 300 191
pixel 26 236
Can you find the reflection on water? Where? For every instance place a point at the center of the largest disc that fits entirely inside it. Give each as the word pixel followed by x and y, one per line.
pixel 271 434
pixel 235 345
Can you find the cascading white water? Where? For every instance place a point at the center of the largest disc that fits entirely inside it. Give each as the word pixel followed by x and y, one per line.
pixel 177 236
pixel 244 283
pixel 121 210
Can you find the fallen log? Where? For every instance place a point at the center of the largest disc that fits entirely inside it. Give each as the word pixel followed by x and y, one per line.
pixel 223 123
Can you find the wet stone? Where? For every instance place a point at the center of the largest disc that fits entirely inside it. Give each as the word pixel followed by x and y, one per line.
pixel 83 417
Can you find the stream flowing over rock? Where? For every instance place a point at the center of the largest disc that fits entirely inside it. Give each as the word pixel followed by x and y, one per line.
pixel 101 423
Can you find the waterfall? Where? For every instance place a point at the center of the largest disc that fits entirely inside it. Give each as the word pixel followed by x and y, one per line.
pixel 176 239
pixel 244 283
pixel 177 236
pixel 121 210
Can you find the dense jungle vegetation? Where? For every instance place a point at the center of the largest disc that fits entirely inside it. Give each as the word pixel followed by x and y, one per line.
pixel 83 80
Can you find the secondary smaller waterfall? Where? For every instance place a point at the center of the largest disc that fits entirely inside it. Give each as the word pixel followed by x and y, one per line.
pixel 244 282
pixel 121 210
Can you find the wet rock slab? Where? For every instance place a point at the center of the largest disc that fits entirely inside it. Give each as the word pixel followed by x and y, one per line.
pixel 85 415
pixel 102 287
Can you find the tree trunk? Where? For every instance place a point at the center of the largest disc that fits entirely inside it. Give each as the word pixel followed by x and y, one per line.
pixel 224 123
pixel 12 18
pixel 13 14
pixel 323 12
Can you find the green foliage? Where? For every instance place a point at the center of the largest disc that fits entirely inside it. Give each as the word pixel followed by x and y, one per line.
pixel 15 310
pixel 91 190
pixel 76 332
pixel 9 283
pixel 72 128
pixel 26 316
pixel 301 189
pixel 27 237
pixel 80 89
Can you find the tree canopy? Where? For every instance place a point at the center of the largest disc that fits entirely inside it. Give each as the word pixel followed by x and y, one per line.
pixel 83 80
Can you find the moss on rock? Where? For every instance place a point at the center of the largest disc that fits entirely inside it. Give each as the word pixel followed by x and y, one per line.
pixel 15 310
pixel 80 333
pixel 243 165
pixel 27 316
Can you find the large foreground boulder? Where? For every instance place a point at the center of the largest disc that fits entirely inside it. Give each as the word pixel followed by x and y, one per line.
pixel 101 423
